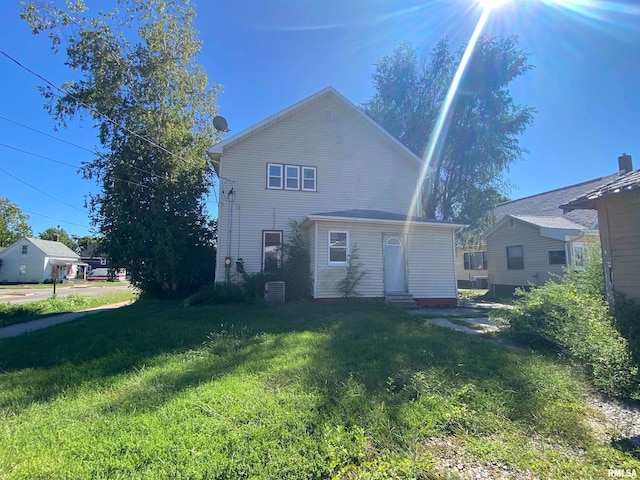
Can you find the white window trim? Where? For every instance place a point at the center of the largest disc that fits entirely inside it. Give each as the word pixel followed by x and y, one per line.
pixel 347 248
pixel 25 249
pixel 269 176
pixel 315 179
pixel 287 177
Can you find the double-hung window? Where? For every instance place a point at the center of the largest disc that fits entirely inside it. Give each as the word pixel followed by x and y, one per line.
pixel 271 251
pixel 309 179
pixel 292 177
pixel 557 257
pixel 274 176
pixel 515 257
pixel 25 249
pixel 338 248
pixel 475 260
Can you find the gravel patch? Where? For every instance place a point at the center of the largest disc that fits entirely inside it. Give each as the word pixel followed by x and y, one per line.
pixel 617 419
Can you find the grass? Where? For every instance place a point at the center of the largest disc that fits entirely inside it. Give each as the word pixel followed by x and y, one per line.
pixel 353 391
pixel 11 314
pixel 76 284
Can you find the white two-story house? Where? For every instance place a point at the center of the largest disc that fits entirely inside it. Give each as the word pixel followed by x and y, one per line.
pixel 325 164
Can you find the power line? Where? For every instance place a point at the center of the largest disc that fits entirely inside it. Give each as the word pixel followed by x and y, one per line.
pixel 41 191
pixel 54 218
pixel 47 134
pixel 69 164
pixel 89 107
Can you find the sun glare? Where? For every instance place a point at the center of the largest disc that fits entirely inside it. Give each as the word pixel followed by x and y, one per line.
pixel 491 4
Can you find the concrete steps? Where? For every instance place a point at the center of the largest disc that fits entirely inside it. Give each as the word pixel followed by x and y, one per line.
pixel 402 300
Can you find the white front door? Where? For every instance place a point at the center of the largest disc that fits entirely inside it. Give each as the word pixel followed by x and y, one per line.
pixel 394 264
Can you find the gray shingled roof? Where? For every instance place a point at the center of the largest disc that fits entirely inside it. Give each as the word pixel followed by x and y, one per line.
pixel 54 249
pixel 379 215
pixel 547 204
pixel 550 222
pixel 619 184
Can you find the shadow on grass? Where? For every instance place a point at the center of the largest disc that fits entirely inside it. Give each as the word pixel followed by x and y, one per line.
pixel 365 362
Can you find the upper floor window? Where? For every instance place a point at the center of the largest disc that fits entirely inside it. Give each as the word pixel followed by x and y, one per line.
pixel 274 175
pixel 475 260
pixel 24 249
pixel 338 248
pixel 291 177
pixel 515 257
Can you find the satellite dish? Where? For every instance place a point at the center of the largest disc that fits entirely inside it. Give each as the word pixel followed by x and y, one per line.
pixel 220 124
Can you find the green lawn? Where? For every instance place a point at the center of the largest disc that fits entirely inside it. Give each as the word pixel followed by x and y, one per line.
pixel 156 390
pixel 11 314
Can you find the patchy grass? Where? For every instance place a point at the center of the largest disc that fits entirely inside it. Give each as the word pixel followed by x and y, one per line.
pixel 11 314
pixel 354 391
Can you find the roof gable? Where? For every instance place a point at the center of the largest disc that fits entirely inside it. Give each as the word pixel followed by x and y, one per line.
pixel 546 223
pixel 216 150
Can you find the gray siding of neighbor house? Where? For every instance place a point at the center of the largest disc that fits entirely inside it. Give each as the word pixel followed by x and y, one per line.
pixel 619 219
pixel 12 259
pixel 537 269
pixel 356 168
pixel 434 279
pixel 470 278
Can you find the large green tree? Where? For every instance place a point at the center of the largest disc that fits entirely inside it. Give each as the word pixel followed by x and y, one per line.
pixel 140 82
pixel 62 236
pixel 480 137
pixel 13 223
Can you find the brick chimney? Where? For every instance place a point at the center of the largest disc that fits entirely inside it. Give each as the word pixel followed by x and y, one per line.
pixel 56 237
pixel 625 164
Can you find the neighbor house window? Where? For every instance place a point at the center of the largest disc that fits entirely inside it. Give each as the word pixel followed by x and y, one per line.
pixel 338 248
pixel 103 261
pixel 512 223
pixel 515 258
pixel 271 251
pixel 475 261
pixel 22 271
pixel 274 175
pixel 309 179
pixel 292 177
pixel 557 257
pixel 24 249
pixel 579 256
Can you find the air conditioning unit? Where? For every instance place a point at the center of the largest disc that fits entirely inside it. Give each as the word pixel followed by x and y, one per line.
pixel 274 293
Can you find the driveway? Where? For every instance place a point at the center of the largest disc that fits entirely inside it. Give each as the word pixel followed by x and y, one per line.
pixel 20 295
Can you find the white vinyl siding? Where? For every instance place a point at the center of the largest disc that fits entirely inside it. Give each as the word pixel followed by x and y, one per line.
pixel 426 279
pixel 355 168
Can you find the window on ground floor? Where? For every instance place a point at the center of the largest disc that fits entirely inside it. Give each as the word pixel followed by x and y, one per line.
pixel 515 257
pixel 475 260
pixel 22 271
pixel 557 257
pixel 271 251
pixel 579 255
pixel 338 248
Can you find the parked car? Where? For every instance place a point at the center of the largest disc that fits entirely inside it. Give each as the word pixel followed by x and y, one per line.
pixel 102 274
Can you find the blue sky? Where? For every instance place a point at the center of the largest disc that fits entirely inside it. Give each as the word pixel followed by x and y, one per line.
pixel 269 54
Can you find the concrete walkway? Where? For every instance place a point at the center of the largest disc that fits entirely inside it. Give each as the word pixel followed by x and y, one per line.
pixel 20 328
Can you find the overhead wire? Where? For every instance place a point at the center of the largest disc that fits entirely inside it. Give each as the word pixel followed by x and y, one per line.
pixel 54 218
pixel 69 164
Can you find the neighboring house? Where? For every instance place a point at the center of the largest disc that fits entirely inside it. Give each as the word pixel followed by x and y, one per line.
pixel 325 164
pixel 618 206
pixel 488 263
pixel 528 250
pixel 31 260
pixel 90 255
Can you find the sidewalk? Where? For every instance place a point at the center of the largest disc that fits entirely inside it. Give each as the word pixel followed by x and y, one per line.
pixel 20 328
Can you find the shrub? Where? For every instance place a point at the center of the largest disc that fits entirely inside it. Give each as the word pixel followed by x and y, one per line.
pixel 296 269
pixel 627 315
pixel 562 316
pixel 349 284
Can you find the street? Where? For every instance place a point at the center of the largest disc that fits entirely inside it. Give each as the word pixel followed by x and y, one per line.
pixel 25 295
